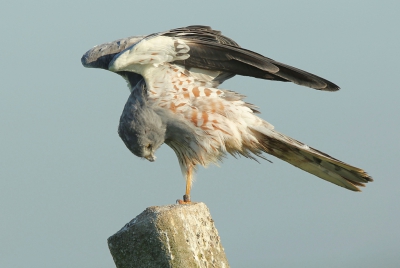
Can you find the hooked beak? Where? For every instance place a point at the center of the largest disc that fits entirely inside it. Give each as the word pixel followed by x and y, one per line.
pixel 151 157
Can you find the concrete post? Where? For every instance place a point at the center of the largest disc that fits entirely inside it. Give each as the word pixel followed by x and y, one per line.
pixel 169 236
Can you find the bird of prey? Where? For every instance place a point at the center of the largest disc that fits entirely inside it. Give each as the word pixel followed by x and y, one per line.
pixel 174 76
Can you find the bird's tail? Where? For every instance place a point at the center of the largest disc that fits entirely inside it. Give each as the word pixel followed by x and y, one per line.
pixel 311 160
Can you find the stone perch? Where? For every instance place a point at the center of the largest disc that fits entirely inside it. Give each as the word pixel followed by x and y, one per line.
pixel 169 236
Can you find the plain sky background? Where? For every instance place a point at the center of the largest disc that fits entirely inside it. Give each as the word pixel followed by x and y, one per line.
pixel 67 181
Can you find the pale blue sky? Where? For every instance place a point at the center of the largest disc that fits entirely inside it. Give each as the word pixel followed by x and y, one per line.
pixel 67 182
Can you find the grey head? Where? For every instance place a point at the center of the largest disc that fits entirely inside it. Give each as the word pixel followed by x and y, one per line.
pixel 140 127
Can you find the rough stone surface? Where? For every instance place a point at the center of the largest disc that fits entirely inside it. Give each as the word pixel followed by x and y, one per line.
pixel 169 236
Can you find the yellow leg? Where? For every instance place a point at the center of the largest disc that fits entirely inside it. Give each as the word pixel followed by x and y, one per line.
pixel 189 177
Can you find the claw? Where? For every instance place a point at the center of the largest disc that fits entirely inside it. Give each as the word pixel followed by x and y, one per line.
pixel 185 201
pixel 181 202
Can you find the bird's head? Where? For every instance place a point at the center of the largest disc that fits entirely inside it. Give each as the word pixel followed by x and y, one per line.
pixel 143 133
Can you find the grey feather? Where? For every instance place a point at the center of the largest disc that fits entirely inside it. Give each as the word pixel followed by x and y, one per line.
pixel 100 56
pixel 210 50
pixel 144 128
pixel 141 129
pixel 311 160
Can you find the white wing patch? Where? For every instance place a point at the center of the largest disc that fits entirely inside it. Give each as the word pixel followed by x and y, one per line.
pixel 155 51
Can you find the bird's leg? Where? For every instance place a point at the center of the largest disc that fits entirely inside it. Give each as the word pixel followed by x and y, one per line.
pixel 189 176
pixel 186 197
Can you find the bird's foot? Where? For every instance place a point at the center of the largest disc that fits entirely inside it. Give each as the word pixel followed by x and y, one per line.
pixel 185 201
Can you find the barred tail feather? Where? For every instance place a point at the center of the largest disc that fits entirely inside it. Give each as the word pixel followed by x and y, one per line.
pixel 312 160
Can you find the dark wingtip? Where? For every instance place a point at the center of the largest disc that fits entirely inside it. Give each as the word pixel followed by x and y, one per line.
pixel 94 58
pixel 330 86
pixel 100 56
pixel 85 60
pixel 368 178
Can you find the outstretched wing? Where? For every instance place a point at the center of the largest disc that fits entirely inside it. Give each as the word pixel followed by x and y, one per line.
pixel 210 50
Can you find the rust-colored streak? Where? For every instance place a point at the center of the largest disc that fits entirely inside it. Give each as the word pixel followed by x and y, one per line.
pixel 196 92
pixel 186 95
pixel 206 128
pixel 176 88
pixel 213 108
pixel 221 107
pixel 155 53
pixel 220 129
pixel 207 91
pixel 184 89
pixel 194 117
pixel 217 107
pixel 212 147
pixel 204 116
pixel 172 107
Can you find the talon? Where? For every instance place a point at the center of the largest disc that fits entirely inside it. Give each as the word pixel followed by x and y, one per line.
pixel 181 202
pixel 186 198
pixel 185 201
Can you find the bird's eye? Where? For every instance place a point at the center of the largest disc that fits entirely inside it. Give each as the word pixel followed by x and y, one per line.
pixel 148 146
